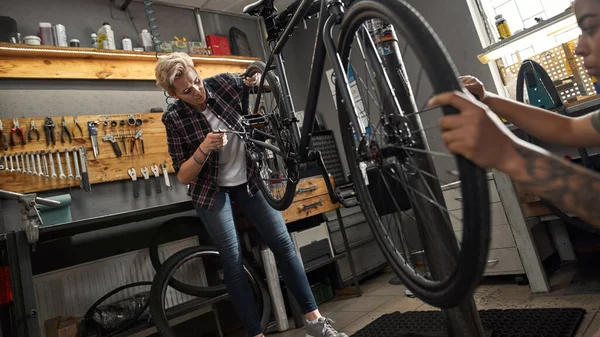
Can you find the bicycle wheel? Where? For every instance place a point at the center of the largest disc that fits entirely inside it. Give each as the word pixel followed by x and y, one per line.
pixel 390 162
pixel 162 279
pixel 176 229
pixel 277 174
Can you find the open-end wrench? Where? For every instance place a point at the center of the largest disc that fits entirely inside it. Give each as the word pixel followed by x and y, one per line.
pixel 60 169
pixel 147 185
pixel 166 175
pixel 28 164
pixel 23 162
pixel 77 173
pixel 33 164
pixel 52 170
pixel 6 163
pixel 12 168
pixel 156 173
pixel 46 173
pixel 136 188
pixel 69 170
pixel 85 177
pixel 18 162
pixel 39 161
pixel 2 166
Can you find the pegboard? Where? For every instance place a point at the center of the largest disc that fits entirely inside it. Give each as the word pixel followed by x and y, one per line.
pixel 106 167
pixel 563 65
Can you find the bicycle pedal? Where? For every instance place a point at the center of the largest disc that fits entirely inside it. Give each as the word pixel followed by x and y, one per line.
pixel 254 122
pixel 346 195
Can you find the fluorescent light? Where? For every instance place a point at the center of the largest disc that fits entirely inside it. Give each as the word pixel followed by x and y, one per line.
pixel 527 37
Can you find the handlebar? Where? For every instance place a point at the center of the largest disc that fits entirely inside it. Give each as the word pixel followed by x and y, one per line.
pixel 41 201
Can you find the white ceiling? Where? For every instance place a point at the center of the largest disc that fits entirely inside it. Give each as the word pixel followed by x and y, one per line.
pixel 229 6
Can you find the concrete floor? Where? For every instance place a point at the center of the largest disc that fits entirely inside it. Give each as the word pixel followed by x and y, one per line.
pixel 352 314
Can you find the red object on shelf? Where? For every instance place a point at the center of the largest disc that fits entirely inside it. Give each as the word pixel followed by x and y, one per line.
pixel 218 44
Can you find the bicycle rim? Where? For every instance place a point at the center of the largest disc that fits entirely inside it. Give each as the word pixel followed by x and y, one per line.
pixel 274 177
pixel 401 176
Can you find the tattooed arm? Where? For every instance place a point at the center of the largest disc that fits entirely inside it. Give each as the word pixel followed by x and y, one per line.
pixel 477 134
pixel 572 188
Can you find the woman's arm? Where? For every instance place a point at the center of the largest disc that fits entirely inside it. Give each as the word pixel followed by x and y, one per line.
pixel 542 124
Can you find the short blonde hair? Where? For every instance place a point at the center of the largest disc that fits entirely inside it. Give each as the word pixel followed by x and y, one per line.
pixel 171 67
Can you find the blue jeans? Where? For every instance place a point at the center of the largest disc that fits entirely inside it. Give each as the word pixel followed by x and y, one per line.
pixel 269 222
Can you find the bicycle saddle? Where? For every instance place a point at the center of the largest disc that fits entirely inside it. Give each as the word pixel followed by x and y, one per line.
pixel 257 7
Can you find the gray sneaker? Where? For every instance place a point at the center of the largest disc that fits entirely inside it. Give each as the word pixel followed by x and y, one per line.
pixel 323 328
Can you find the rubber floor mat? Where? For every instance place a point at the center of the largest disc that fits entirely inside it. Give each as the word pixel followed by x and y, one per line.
pixel 497 323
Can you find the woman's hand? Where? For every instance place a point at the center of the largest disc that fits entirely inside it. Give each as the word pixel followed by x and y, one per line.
pixel 213 141
pixel 476 133
pixel 475 86
pixel 254 81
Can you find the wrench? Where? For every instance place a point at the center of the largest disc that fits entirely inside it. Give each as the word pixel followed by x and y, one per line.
pixel 43 153
pixel 2 166
pixel 33 164
pixel 154 169
pixel 18 162
pixel 77 173
pixel 166 175
pixel 53 175
pixel 6 163
pixel 23 163
pixel 70 176
pixel 147 186
pixel 136 187
pixel 12 168
pixel 28 164
pixel 40 172
pixel 60 169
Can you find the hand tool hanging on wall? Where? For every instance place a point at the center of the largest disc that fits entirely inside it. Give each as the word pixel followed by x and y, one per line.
pixel 12 168
pixel 93 130
pixel 52 170
pixel 138 135
pixel 18 163
pixel 34 171
pixel 69 170
pixel 156 173
pixel 76 127
pixel 60 168
pixel 76 160
pixel 39 161
pixel 46 173
pixel 33 130
pixel 131 120
pixel 28 163
pixel 123 139
pixel 147 185
pixel 136 188
pixel 85 178
pixel 17 131
pixel 5 163
pixel 23 162
pixel 166 175
pixel 64 131
pixel 49 131
pixel 3 137
pixel 115 145
pixel 2 166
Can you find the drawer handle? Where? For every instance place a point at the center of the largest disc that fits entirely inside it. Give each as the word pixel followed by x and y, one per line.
pixel 493 261
pixel 313 205
pixel 458 199
pixel 301 190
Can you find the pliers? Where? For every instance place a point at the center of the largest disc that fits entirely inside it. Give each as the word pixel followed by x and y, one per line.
pixel 16 130
pixel 3 137
pixel 65 130
pixel 49 130
pixel 34 130
pixel 76 122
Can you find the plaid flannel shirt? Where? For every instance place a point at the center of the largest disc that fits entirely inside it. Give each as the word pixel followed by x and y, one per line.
pixel 186 129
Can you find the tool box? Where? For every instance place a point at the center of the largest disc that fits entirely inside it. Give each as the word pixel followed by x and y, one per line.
pixel 218 44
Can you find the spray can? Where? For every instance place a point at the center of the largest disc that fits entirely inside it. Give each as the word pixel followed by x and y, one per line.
pixel 502 27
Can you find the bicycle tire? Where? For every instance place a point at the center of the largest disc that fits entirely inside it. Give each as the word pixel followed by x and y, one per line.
pixel 472 259
pixel 159 288
pixel 275 89
pixel 166 228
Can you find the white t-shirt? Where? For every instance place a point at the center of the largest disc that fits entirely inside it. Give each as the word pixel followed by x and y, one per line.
pixel 232 157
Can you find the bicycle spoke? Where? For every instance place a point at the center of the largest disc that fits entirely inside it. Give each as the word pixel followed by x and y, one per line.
pixel 430 175
pixel 435 153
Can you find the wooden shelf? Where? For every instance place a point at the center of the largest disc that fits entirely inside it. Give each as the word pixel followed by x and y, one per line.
pixel 50 62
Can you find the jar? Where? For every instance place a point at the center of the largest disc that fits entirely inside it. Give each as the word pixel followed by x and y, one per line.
pixel 32 40
pixel 74 43
pixel 502 27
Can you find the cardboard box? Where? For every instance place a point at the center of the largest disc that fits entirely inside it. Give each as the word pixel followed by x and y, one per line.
pixel 57 327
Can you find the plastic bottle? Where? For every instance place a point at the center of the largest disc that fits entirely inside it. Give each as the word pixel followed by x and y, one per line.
pixel 46 33
pixel 106 36
pixel 61 35
pixel 127 43
pixel 146 40
pixel 502 26
pixel 94 40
